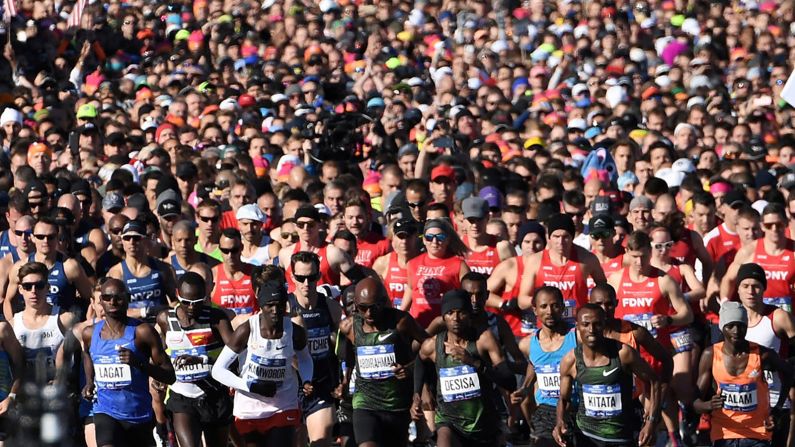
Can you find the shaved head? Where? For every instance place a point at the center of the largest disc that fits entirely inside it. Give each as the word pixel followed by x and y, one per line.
pixel 369 291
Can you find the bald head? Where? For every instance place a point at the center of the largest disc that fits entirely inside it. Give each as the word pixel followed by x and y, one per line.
pixel 118 220
pixel 70 202
pixel 369 291
pixel 297 177
pixel 663 207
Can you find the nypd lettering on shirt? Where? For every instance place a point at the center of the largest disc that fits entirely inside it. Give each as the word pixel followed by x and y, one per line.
pixel 602 401
pixel 741 398
pixel 459 383
pixel 375 362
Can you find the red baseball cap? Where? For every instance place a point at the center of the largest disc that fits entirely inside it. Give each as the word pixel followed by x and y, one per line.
pixel 442 171
pixel 246 100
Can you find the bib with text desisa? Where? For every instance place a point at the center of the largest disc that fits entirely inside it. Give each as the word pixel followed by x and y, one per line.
pixel 742 398
pixel 459 383
pixel 110 373
pixel 601 401
pixel 548 378
pixel 265 369
pixel 190 373
pixel 376 362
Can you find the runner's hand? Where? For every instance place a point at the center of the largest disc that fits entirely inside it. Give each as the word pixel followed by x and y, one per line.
pixel 185 360
pixel 770 422
pixel 518 396
pixel 308 388
pixel 559 434
pixel 267 389
pixel 128 358
pixel 646 436
pixel 337 392
pixel 416 408
pixel 5 405
pixel 399 371
pixel 458 353
pixel 659 321
pixel 716 403
pixel 88 392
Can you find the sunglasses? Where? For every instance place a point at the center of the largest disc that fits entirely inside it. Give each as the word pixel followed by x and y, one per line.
pixel 773 225
pixel 362 308
pixel 23 233
pixel 190 302
pixel 304 225
pixel 38 285
pixel 227 251
pixel 49 237
pixel 115 231
pixel 207 219
pixel 416 204
pixel 404 235
pixel 290 236
pixel 441 237
pixel 35 204
pixel 663 245
pixel 131 238
pixel 111 297
pixel 600 235
pixel 306 278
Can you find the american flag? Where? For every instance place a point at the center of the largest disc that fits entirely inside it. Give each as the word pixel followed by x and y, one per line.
pixel 77 13
pixel 9 10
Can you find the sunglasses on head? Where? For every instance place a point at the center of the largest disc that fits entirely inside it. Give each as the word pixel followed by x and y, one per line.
pixel 49 237
pixel 441 237
pixel 38 285
pixel 663 245
pixel 304 278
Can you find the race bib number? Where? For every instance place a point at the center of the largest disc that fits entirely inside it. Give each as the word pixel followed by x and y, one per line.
pixel 602 401
pixel 643 320
pixel 459 383
pixel 268 370
pixel 782 302
pixel 774 388
pixel 741 398
pixel 318 341
pixel 682 341
pixel 190 373
pixel 570 311
pixel 109 374
pixel 548 377
pixel 375 362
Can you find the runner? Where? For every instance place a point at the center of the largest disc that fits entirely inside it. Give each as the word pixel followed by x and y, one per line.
pixel 320 315
pixel 233 289
pixel 771 327
pixel 545 349
pixel 723 239
pixel 382 338
pixel 39 328
pixel 194 334
pixel 466 361
pixel 598 374
pixel 266 405
pixel 391 267
pixel 741 407
pixel 17 207
pixel 370 244
pixel 116 253
pixel 602 230
pixel 505 281
pixel 563 265
pixel 775 253
pixel 208 218
pixel 184 256
pixel 12 372
pixel 333 261
pixel 65 275
pixel 258 249
pixel 23 231
pixel 434 272
pixel 485 251
pixel 121 353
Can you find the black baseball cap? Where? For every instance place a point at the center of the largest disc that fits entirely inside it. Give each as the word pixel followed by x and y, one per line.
pixel 601 224
pixel 405 225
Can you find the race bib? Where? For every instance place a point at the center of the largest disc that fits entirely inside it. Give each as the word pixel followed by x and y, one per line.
pixel 375 362
pixel 741 398
pixel 548 378
pixel 459 383
pixel 570 311
pixel 602 401
pixel 642 320
pixel 774 388
pixel 682 341
pixel 268 370
pixel 32 355
pixel 528 322
pixel 109 374
pixel 782 302
pixel 241 310
pixel 190 373
pixel 397 302
pixel 352 382
pixel 318 341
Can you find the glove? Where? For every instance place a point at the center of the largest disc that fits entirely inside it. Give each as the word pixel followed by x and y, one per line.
pixel 267 389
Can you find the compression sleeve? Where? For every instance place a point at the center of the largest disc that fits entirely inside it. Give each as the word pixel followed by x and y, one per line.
pixel 222 374
pixel 355 274
pixel 305 365
pixel 419 375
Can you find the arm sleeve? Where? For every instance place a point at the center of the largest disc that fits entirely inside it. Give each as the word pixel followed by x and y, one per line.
pixel 222 374
pixel 419 375
pixel 355 274
pixel 501 375
pixel 305 365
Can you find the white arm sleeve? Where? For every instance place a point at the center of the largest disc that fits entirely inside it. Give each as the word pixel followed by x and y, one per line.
pixel 221 371
pixel 305 365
